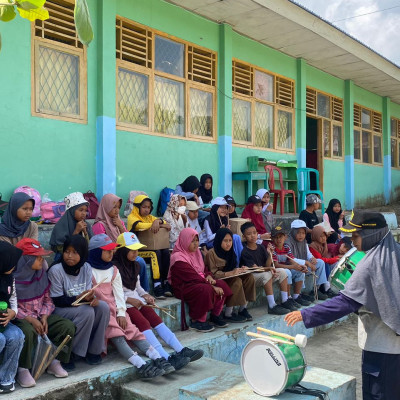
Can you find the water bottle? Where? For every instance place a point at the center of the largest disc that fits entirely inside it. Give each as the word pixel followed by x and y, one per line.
pixel 3 309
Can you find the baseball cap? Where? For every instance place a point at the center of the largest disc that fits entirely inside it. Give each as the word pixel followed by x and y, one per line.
pixel 130 241
pixel 101 241
pixel 192 206
pixel 254 199
pixel 278 230
pixel 219 201
pixel 298 223
pixel 31 247
pixel 230 200
pixel 312 199
pixel 363 219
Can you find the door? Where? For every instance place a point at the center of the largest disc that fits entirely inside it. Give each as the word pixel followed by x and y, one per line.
pixel 314 128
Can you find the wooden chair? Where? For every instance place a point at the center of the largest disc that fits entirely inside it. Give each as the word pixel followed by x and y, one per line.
pixel 281 192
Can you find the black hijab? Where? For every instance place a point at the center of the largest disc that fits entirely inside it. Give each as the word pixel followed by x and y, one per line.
pixel 333 216
pixel 228 256
pixel 129 270
pixel 80 244
pixel 9 256
pixel 214 220
pixel 206 194
pixel 96 261
pixel 190 184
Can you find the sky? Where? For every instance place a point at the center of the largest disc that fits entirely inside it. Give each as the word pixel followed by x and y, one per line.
pixel 379 28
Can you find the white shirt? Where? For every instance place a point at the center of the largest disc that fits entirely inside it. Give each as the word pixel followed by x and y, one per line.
pixel 137 293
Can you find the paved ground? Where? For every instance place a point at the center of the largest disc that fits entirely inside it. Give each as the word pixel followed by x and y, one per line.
pixel 336 349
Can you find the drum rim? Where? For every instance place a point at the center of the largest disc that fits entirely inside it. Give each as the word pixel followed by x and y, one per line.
pixel 342 261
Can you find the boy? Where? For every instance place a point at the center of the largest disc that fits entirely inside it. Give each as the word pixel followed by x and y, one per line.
pixel 308 215
pixel 256 255
pixel 192 210
pixel 283 258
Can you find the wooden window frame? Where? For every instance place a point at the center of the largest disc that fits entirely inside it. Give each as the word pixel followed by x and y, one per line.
pixel 397 139
pixel 79 51
pixel 251 97
pixel 151 72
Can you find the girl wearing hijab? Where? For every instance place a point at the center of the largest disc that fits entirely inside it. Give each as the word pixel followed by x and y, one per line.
pixel 15 223
pixel 372 291
pixel 176 217
pixel 11 337
pixel 319 247
pixel 35 309
pixel 108 221
pixel 221 261
pixel 267 208
pixel 334 217
pixel 194 285
pixel 141 219
pixel 189 188
pixel 231 206
pixel 71 223
pixel 70 279
pixel 205 190
pixel 143 316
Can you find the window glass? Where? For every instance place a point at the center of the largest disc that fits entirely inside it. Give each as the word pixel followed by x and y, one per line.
pixel 264 125
pixel 323 105
pixel 366 144
pixel 169 56
pixel 284 133
pixel 337 141
pixel 241 120
pixel 201 113
pixel 357 150
pixel 264 86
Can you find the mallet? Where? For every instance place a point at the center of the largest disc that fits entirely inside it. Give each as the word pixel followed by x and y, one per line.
pixel 299 340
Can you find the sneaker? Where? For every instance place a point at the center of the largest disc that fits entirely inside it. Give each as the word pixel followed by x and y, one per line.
pixel 278 310
pixel 149 371
pixel 309 297
pixel 57 370
pixel 7 388
pixel 294 303
pixel 163 364
pixel 201 327
pixel 158 292
pixel 302 301
pixel 330 293
pixel 69 366
pixel 178 361
pixel 322 296
pixel 168 290
pixel 194 355
pixel 289 305
pixel 93 359
pixel 24 378
pixel 235 318
pixel 245 313
pixel 218 321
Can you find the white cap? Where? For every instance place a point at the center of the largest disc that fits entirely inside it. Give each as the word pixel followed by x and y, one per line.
pixel 298 223
pixel 191 206
pixel 220 201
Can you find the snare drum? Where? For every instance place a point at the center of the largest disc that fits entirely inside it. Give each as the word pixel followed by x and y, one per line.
pixel 345 268
pixel 270 368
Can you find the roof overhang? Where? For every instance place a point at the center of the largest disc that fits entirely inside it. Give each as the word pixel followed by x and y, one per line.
pixel 291 29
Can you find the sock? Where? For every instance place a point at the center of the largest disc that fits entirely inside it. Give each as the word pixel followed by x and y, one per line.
pixel 271 300
pixel 151 338
pixel 327 286
pixel 295 295
pixel 241 308
pixel 136 360
pixel 284 296
pixel 169 337
pixel 153 353
pixel 228 311
pixel 157 284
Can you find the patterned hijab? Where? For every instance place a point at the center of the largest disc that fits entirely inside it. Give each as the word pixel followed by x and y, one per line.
pixel 107 203
pixel 172 209
pixel 322 248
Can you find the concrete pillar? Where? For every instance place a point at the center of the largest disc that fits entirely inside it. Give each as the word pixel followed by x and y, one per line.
pixel 348 105
pixel 301 116
pixel 387 155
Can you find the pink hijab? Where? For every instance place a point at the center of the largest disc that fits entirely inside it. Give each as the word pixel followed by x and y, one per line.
pixel 107 203
pixel 181 253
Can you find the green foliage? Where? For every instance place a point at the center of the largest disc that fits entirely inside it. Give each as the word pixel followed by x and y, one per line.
pixel 82 22
pixel 33 14
pixel 30 4
pixel 7 13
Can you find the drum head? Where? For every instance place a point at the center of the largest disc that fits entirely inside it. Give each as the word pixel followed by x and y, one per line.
pixel 264 367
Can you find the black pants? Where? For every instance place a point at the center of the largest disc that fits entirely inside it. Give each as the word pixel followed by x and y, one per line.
pixel 380 376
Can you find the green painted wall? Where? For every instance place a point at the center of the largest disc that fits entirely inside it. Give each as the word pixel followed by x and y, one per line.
pixel 368 181
pixel 367 99
pixel 334 181
pixel 320 80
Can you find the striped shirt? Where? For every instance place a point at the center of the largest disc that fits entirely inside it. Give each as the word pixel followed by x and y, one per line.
pixel 282 256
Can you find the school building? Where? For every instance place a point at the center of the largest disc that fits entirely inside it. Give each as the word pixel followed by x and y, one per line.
pixel 174 88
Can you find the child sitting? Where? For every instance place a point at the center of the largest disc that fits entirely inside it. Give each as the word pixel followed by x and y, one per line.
pixel 309 215
pixel 334 217
pixel 189 189
pixel 267 208
pixel 120 328
pixel 256 255
pixel 283 258
pixel 73 222
pixel 341 248
pixel 71 279
pixel 140 218
pixel 253 211
pixel 192 212
pixel 194 285
pixel 175 216
pixel 231 206
pixel 35 309
pixel 143 316
pixel 11 337
pixel 205 190
pixel 221 261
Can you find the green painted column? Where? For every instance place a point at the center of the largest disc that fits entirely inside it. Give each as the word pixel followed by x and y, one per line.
pixel 301 116
pixel 387 154
pixel 225 110
pixel 348 105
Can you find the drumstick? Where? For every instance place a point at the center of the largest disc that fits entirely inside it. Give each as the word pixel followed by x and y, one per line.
pixel 160 308
pixel 39 370
pixel 94 287
pixel 82 304
pixel 284 335
pixel 58 350
pixel 257 335
pixel 163 310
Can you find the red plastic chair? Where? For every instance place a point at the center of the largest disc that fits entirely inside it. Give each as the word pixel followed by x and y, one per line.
pixel 279 194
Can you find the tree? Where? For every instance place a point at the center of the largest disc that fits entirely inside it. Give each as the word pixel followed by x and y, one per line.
pixel 34 9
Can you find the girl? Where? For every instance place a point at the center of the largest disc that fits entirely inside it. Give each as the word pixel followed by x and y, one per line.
pixel 35 309
pixel 205 190
pixel 108 221
pixel 253 211
pixel 11 337
pixel 193 284
pixel 176 217
pixel 15 223
pixel 120 328
pixel 231 206
pixel 70 279
pixel 334 217
pixel 341 248
pixel 221 261
pixel 189 188
pixel 71 223
pixel 142 315
pixel 140 218
pixel 267 208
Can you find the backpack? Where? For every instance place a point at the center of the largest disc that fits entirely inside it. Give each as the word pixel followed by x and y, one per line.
pixel 52 211
pixel 91 198
pixel 165 197
pixel 131 198
pixel 35 195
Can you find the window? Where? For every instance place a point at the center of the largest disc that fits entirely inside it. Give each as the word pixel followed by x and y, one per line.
pixel 330 110
pixel 164 86
pixel 262 108
pixel 59 66
pixel 395 141
pixel 367 135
